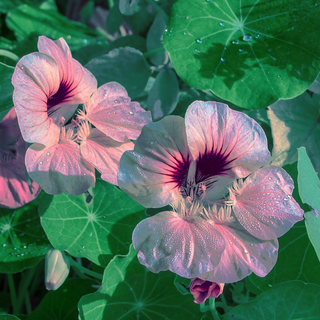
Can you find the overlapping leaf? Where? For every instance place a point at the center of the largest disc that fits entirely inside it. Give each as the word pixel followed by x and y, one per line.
pixel 22 240
pixel 290 300
pixel 309 189
pixel 129 291
pixel 96 227
pixel 249 52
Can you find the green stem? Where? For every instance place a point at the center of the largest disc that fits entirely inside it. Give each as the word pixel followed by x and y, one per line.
pixel 156 8
pixel 9 54
pixel 23 290
pixel 153 52
pixel 111 4
pixel 85 270
pixel 28 304
pixel 13 294
pixel 212 306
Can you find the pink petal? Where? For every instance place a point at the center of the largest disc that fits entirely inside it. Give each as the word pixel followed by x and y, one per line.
pixel 213 127
pixel 202 290
pixel 243 255
pixel 186 247
pixel 264 205
pixel 104 154
pixel 35 78
pixel 60 168
pixel 152 173
pixel 112 112
pixel 14 184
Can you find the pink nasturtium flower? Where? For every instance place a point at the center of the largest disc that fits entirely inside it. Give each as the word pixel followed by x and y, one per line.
pixel 221 229
pixel 69 165
pixel 48 87
pixel 202 290
pixel 15 191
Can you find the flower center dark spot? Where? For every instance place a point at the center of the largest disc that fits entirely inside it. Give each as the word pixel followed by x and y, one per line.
pixel 62 95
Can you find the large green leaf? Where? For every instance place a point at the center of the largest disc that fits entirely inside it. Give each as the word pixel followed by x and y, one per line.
pixel 250 52
pixel 290 300
pixel 96 228
pixel 309 189
pixel 124 65
pixel 297 260
pixel 22 240
pixel 129 291
pixel 6 89
pixel 295 123
pixel 62 303
pixel 7 5
pixel 8 317
pixel 25 20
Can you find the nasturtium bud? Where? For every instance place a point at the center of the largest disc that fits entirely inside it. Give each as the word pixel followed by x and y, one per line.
pixel 57 267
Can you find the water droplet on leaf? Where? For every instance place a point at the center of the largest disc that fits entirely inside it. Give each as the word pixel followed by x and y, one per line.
pixel 247 37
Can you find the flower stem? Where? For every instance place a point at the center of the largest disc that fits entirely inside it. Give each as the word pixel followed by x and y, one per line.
pixel 85 270
pixel 23 289
pixel 9 54
pixel 13 294
pixel 212 306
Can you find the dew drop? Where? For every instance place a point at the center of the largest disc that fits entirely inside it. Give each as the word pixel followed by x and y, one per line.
pixel 221 24
pixel 259 36
pixel 245 251
pixel 187 17
pixel 222 59
pixel 48 153
pixel 4 245
pixel 235 42
pixel 85 40
pixel 68 36
pixel 278 76
pixel 184 33
pixel 270 178
pixel 64 164
pixel 240 50
pixel 116 101
pixel 247 37
pixel 40 162
pixel 199 41
pixel 131 112
pixel 231 242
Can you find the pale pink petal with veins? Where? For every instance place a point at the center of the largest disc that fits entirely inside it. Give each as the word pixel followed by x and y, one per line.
pixel 102 152
pixel 49 85
pixel 154 171
pixel 264 205
pixel 187 246
pixel 60 168
pixel 235 143
pixel 14 184
pixel 112 112
pixel 243 255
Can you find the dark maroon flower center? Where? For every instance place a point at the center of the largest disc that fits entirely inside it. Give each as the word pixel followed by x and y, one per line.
pixel 210 164
pixel 62 95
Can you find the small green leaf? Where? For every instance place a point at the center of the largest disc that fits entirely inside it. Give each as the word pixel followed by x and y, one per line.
pixel 129 291
pixel 133 41
pixel 6 89
pixel 251 53
pixel 23 242
pixel 295 123
pixel 309 189
pixel 62 303
pixel 114 19
pixel 290 300
pixel 155 38
pixel 164 94
pixel 96 228
pixel 7 5
pixel 126 66
pixel 25 20
pixel 308 181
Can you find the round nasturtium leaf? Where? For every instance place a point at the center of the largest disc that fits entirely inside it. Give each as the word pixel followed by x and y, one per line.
pixel 249 52
pixel 289 300
pixel 96 226
pixel 8 317
pixel 130 291
pixel 23 242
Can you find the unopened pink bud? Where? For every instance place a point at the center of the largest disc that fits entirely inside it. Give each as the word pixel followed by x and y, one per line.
pixel 57 266
pixel 202 290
